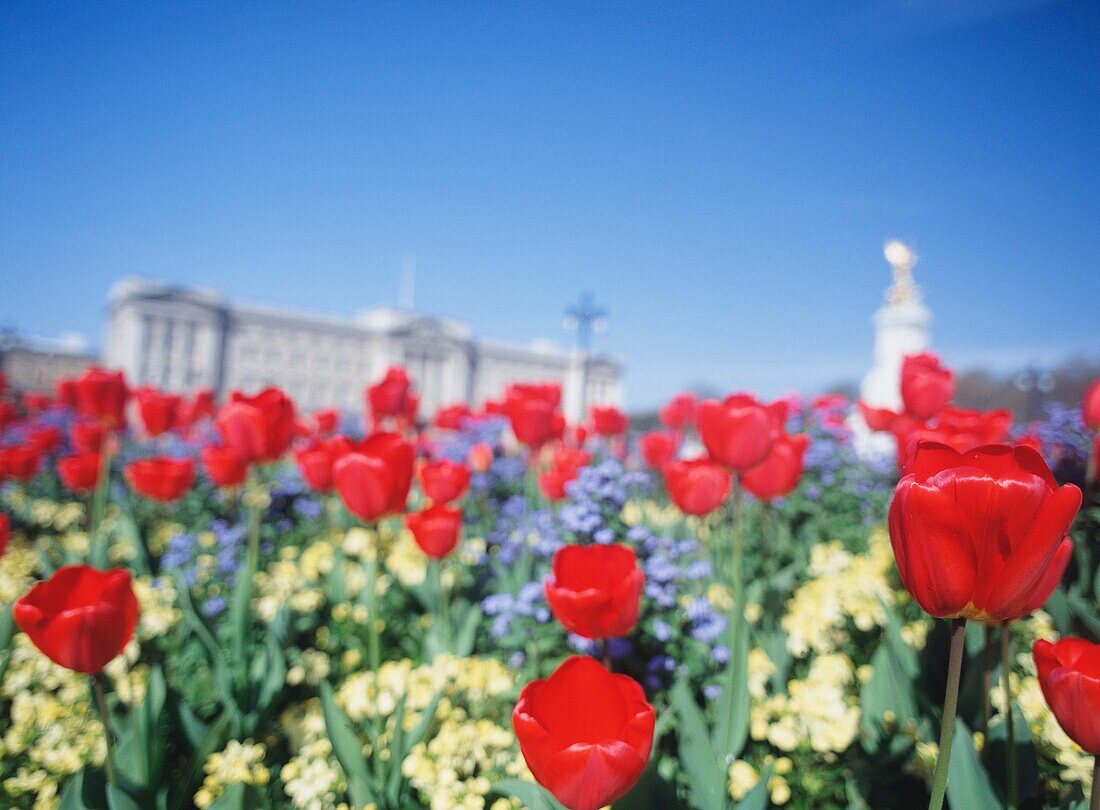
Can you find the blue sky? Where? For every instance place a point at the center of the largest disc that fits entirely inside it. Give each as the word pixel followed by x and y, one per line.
pixel 720 175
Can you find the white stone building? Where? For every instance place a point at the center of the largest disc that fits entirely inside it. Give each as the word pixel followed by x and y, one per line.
pixel 181 339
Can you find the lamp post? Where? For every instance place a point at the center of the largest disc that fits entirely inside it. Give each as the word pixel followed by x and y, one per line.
pixel 585 318
pixel 1035 385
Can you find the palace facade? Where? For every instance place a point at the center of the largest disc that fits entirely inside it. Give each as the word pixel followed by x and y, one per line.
pixel 180 339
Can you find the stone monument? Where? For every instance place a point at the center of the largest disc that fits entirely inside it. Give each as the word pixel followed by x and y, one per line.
pixel 901 328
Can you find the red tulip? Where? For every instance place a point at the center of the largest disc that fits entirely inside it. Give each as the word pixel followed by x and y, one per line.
pixel 316 459
pixel 79 473
pixel 161 478
pixel 958 428
pixel 531 409
pixel 326 420
pixel 201 406
pixel 260 427
pixel 390 396
pixel 829 402
pixel 436 529
pixel 223 466
pixel 65 390
pixel 740 431
pixel 979 427
pixel 1032 440
pixel 80 618
pixel 374 479
pixel 9 414
pixel 532 420
pixel 877 418
pixel 444 481
pixel 659 447
pixel 36 401
pixel 5 533
pixel 679 412
pixel 102 395
pixel 159 411
pixel 451 417
pixel 564 467
pixel 926 386
pixel 21 462
pixel 983 534
pixel 594 591
pixel 1069 675
pixel 586 734
pixel 494 407
pixel 44 439
pixel 1090 406
pixel 609 420
pixel 698 486
pixel 548 392
pixel 777 475
pixel 87 437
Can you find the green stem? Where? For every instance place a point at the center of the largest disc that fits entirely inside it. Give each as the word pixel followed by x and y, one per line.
pixel 1010 718
pixel 1094 802
pixel 252 565
pixel 738 572
pixel 101 707
pixel 987 676
pixel 99 499
pixel 373 643
pixel 139 742
pixel 445 608
pixel 950 706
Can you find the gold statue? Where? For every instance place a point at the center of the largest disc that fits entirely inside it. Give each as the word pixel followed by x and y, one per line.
pixel 902 259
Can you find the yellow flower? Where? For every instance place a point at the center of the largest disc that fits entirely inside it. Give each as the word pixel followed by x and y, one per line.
pixel 742 778
pixel 237 763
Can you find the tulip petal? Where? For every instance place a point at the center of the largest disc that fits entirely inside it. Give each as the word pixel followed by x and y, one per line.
pixel 934 548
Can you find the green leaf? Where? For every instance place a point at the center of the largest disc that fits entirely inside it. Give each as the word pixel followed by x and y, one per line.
pixel 732 729
pixel 903 654
pixel 232 799
pixel 467 631
pixel 125 526
pixel 274 677
pixel 85 791
pixel 397 747
pixel 889 690
pixel 240 613
pixel 423 724
pixel 855 798
pixel 706 773
pixel 968 784
pixel 7 630
pixel 7 626
pixel 1086 613
pixel 533 796
pixel 1058 607
pixel 211 742
pixel 995 756
pixel 194 729
pixel 346 747
pixel 650 791
pixel 118 800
